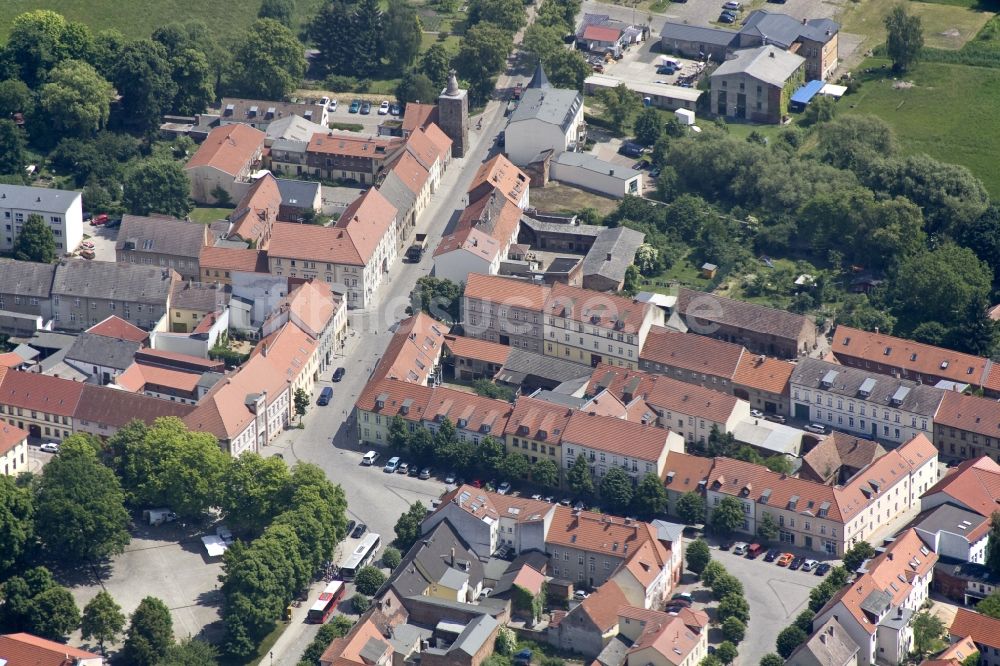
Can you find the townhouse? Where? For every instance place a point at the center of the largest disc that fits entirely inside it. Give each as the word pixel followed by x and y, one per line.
pixel 875 610
pixel 535 428
pixel 606 441
pixel 546 119
pixel 194 304
pixel 967 426
pixel 829 645
pixel 685 473
pixel 25 296
pixel 837 457
pixel 760 329
pixel 86 292
pixel 219 264
pixel 61 210
pixel 320 313
pixel 354 255
pixel 763 382
pixel 882 408
pixel 13 449
pixel 504 310
pixel 349 157
pixel 888 355
pixel 690 410
pixel 811 515
pixel 591 327
pixel 662 639
pixel 982 629
pixel 252 221
pixel 162 241
pixel 500 174
pixel 223 166
pixel 414 351
pixel 103 411
pixel 691 358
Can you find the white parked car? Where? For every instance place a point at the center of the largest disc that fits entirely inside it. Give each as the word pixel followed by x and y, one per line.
pixel 580 595
pixel 817 428
pixel 504 488
pixel 324 100
pixel 383 108
pixel 332 106
pixel 756 413
pixel 809 565
pixel 740 548
pixel 391 465
pixel 733 5
pixel 49 447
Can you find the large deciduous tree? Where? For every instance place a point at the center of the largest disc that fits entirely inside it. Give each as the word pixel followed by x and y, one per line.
pixel 650 498
pixel 698 556
pixel 690 508
pixel 12 155
pixel 253 489
pixel 76 100
pixel 156 186
pixel 408 526
pixel 728 515
pixel 16 527
pixel 578 477
pixel 35 242
pixel 268 61
pixel 142 75
pixel 103 619
pixel 150 633
pixel 279 10
pixel 402 31
pixel 481 56
pixel 904 38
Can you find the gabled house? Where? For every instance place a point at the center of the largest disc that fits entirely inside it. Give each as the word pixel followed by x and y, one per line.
pixel 814 39
pixel 984 631
pixel 225 161
pixel 13 450
pixel 29 650
pixel 253 219
pixel 829 645
pixel 162 241
pixel 546 119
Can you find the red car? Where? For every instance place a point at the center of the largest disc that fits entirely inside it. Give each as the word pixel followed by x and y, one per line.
pixel 99 220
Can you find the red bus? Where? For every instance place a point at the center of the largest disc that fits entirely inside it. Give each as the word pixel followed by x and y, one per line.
pixel 320 611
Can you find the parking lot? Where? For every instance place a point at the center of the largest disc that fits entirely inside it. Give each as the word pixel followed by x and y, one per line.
pixel 775 594
pixel 104 240
pixel 167 562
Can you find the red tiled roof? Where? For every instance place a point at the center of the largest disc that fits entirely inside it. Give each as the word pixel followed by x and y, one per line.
pixel 974 484
pixel 969 412
pixel 138 375
pixel 763 373
pixel 27 650
pixel 509 291
pixel 160 355
pixel 30 390
pixel 471 240
pixel 308 242
pixel 600 33
pixel 257 211
pixel 880 349
pixel 228 148
pixel 111 407
pixel 313 304
pixel 690 351
pixel 538 419
pixel 413 350
pixel 671 638
pixel 529 579
pixel 409 170
pixel 416 116
pixel 366 221
pixel 351 146
pixel 10 360
pixel 116 327
pixel 347 651
pixel 983 629
pixel 419 145
pixel 10 436
pixel 442 142
pixel 481 350
pixel 602 606
pixel 595 532
pixel 596 308
pixel 234 259
pixel 684 472
pixel 500 173
pixel 468 411
pixel 617 436
pixel 960 650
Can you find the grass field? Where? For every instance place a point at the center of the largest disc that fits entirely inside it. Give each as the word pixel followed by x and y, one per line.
pixel 138 18
pixel 961 132
pixel 207 214
pixel 948 24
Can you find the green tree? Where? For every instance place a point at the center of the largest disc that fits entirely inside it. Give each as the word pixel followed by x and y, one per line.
pixel 733 629
pixel 54 614
pixel 506 641
pixel 399 433
pixel 507 14
pixel 857 554
pixel 648 126
pixel 80 507
pixel 698 556
pixel 726 652
pixel 778 463
pixel 36 242
pixel 301 401
pixel 102 619
pixel 545 473
pixel 279 10
pixel 804 620
pixel 616 490
pixel 928 634
pixel 771 659
pixel 710 660
pixel 368 40
pixel 438 297
pixel 515 466
pixel 330 31
pixel 690 508
pixel 402 30
pixel 990 605
pixel 712 570
pixel 15 97
pixel 489 455
pixel 421 445
pixel 416 86
pixel 12 155
pixel 408 526
pixel 391 557
pixel 767 528
pixel 360 603
pixel 195 652
pixel 993 545
pixel 578 477
pixel 368 580
pixel 268 61
pixel 444 438
pixel 16 526
pixel 253 491
pixel 971 660
pixel 821 109
pixel 142 75
pixel 156 186
pixel 632 283
pixel 482 54
pixel 195 79
pixel 488 389
pixel 435 64
pixel 724 585
pixel 735 606
pixel 790 638
pixel 336 628
pixel 904 38
pixel 620 105
pixel 728 515
pixel 150 633
pixel 838 576
pixel 650 499
pixel 567 68
pixel 37 43
pixel 75 101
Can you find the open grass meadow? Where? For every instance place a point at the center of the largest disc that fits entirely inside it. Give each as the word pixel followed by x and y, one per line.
pixel 947 24
pixel 949 113
pixel 138 18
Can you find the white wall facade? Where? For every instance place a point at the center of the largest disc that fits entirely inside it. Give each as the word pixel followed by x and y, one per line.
pixel 15 460
pixel 867 419
pixel 457 264
pixel 608 183
pixel 66 224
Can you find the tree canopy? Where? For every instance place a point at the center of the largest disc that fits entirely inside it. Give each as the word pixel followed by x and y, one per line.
pixel 156 186
pixel 616 490
pixel 904 38
pixel 150 633
pixel 35 242
pixel 268 61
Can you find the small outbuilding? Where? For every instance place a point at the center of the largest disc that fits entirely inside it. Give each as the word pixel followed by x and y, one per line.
pixel 709 270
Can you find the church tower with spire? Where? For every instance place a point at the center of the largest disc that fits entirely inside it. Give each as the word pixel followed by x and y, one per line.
pixel 453 115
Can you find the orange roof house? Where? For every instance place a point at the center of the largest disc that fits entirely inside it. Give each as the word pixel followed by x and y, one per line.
pixel 500 174
pixel 27 650
pixel 256 213
pixel 116 327
pixel 225 160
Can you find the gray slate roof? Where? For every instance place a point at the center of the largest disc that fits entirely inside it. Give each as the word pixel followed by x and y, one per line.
pixel 26 278
pixel 769 64
pixel 161 235
pixel 621 244
pixel 556 106
pixel 591 162
pixel 429 561
pixel 521 361
pixel 477 632
pixel 741 314
pixel 919 398
pixel 297 193
pixel 948 517
pixel 43 199
pixel 695 33
pixel 557 228
pixel 398 194
pixel 783 30
pixel 294 127
pixel 91 349
pixel 830 645
pixel 132 283
pixel 198 296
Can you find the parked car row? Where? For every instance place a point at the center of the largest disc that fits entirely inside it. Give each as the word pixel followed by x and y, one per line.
pixel 795 562
pixel 730 12
pixel 365 107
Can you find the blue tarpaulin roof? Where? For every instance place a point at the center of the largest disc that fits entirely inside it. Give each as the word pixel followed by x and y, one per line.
pixel 804 94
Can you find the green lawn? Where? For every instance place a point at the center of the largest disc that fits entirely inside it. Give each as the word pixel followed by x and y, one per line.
pixel 207 214
pixel 138 18
pixel 961 132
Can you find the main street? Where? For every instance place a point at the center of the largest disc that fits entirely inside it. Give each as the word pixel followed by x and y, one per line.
pixel 328 438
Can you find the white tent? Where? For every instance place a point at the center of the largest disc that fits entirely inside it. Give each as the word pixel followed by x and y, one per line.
pixel 214 545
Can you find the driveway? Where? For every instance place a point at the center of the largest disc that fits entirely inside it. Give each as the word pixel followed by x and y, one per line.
pixel 104 240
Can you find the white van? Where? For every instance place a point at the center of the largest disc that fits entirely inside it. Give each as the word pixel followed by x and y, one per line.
pixel 369 458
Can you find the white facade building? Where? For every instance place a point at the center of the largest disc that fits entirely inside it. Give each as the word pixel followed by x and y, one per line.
pixel 589 172
pixel 546 118
pixel 62 210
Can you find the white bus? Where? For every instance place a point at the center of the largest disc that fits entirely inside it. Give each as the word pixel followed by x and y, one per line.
pixel 361 556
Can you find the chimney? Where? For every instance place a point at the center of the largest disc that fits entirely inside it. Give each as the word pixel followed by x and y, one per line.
pixel 452 557
pixel 804 21
pixel 770 54
pixel 263 349
pixel 889 555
